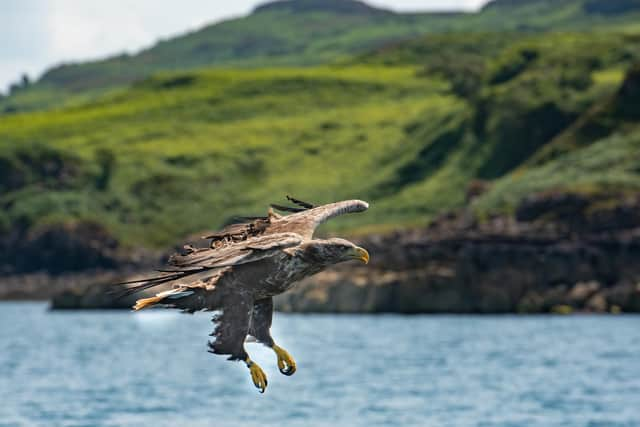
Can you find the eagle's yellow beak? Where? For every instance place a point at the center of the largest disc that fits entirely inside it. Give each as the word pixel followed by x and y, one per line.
pixel 361 254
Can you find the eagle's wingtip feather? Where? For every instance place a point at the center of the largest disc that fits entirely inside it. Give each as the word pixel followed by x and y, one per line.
pixel 364 205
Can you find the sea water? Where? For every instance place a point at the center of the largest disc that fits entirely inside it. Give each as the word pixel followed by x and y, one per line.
pixel 109 368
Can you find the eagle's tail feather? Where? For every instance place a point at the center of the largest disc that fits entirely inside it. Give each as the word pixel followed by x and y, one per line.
pixel 146 302
pixel 170 295
pixel 120 290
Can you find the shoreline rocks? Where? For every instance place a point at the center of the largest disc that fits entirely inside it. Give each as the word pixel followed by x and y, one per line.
pixel 560 250
pixel 558 254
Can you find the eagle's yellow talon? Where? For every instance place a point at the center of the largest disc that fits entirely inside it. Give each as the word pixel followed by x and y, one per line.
pixel 257 375
pixel 286 364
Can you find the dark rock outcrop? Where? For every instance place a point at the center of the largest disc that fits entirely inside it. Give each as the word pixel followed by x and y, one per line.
pixel 566 254
pixel 560 253
pixel 68 247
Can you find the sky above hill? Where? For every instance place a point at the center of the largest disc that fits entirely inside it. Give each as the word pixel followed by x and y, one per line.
pixel 37 34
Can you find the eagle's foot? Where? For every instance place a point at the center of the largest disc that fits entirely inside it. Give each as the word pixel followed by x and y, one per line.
pixel 286 364
pixel 257 375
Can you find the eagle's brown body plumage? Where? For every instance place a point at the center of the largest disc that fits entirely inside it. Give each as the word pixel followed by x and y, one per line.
pixel 246 265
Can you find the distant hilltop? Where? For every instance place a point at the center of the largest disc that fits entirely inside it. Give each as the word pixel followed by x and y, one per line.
pixel 332 6
pixel 278 34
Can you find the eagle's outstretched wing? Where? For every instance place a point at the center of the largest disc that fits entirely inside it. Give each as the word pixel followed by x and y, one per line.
pixel 242 252
pixel 246 242
pixel 197 265
pixel 303 220
pixel 306 221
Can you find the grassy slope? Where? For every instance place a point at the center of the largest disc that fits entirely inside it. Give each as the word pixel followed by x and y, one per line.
pixel 407 127
pixel 609 165
pixel 293 38
pixel 538 108
pixel 189 151
pixel 599 153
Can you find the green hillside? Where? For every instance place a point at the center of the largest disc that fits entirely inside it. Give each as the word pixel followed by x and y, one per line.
pixel 598 154
pixel 183 152
pixel 310 32
pixel 407 127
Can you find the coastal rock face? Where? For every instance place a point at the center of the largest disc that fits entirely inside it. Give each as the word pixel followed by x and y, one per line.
pixel 559 253
pixel 68 247
pixel 483 276
pixel 70 263
pixel 58 248
pixel 585 259
pixel 91 297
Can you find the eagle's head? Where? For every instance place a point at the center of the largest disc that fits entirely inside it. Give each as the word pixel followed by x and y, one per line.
pixel 334 251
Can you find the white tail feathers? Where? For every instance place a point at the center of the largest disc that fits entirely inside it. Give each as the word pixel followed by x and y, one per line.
pixel 146 302
pixel 171 294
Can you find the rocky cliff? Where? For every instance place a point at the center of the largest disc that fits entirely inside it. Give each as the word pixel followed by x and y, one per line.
pixel 559 252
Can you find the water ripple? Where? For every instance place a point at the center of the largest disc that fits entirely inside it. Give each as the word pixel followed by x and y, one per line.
pixel 120 369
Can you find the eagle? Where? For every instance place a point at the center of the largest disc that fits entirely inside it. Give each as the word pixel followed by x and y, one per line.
pixel 245 265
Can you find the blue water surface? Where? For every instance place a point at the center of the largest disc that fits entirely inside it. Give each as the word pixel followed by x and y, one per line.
pixel 152 369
